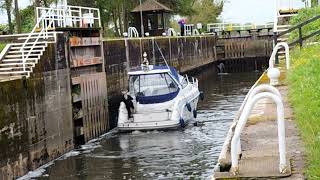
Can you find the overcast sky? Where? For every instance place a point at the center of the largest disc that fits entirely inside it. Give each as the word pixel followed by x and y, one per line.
pixel 235 11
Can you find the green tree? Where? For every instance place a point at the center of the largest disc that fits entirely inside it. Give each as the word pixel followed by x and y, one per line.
pixel 27 19
pixel 7 6
pixel 205 11
pixel 17 16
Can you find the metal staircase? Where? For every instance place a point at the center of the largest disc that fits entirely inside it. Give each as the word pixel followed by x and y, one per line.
pixel 283 14
pixel 18 60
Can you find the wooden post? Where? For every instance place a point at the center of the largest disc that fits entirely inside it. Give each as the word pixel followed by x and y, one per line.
pixel 300 37
pixel 275 41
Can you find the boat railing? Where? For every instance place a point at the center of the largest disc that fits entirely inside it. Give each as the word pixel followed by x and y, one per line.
pixel 191 80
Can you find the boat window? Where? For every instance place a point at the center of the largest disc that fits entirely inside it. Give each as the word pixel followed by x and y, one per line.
pixel 152 84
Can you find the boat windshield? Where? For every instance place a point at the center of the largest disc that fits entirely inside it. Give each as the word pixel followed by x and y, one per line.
pixel 152 84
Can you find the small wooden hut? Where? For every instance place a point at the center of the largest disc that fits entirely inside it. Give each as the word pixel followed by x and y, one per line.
pixel 155 17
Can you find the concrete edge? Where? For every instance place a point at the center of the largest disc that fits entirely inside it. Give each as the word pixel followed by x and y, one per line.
pixel 223 157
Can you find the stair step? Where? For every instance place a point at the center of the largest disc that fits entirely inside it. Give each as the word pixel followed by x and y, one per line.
pixel 29 43
pixel 24 73
pixel 35 37
pixel 282 39
pixel 19 52
pixel 20 56
pixel 11 60
pixel 17 64
pixel 9 69
pixel 29 47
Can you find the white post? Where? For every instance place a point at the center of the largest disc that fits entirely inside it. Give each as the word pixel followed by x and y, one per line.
pixel 241 124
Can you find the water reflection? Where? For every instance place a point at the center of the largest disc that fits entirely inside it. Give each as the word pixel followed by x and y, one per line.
pixel 187 154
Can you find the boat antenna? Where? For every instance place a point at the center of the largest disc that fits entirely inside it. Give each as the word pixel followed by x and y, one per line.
pixel 165 61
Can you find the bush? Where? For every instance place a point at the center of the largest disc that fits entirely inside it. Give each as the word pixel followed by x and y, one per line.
pixel 303 15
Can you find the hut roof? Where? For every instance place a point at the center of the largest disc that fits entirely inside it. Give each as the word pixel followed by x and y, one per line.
pixel 151 5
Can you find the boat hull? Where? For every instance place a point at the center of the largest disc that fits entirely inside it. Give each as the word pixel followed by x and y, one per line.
pixel 158 120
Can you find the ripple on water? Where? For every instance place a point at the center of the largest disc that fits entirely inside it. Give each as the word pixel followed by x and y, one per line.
pixel 187 154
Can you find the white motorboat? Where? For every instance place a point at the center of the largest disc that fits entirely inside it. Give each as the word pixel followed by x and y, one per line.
pixel 158 98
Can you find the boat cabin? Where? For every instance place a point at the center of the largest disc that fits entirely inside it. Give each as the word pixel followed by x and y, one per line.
pixel 156 85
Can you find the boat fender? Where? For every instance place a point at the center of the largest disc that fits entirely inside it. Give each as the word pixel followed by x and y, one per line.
pixel 188 107
pixel 195 114
pixel 201 95
pixel 182 124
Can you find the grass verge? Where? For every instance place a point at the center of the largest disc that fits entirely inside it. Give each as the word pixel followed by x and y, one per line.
pixel 304 94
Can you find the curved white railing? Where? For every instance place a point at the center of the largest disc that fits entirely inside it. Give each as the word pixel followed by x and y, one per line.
pixel 256 95
pixel 172 32
pixel 132 32
pixel 195 32
pixel 274 53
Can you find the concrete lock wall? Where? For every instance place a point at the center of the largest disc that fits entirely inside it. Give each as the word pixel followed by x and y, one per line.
pixel 36 115
pixel 184 53
pixel 37 122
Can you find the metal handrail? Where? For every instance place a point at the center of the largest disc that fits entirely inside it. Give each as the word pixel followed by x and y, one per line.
pixel 218 27
pixel 47 18
pixel 171 32
pixel 43 32
pixel 188 29
pixel 274 94
pixel 133 32
pixel 275 51
pixel 75 13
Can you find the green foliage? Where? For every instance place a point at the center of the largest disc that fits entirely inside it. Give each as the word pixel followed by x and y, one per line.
pixel 2 45
pixel 304 94
pixel 181 7
pixel 4 27
pixel 206 11
pixel 27 19
pixel 302 16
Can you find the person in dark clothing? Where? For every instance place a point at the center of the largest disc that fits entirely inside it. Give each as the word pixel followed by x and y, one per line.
pixel 182 22
pixel 127 99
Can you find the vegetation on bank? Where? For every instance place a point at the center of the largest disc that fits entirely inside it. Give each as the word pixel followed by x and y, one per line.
pixel 303 15
pixel 304 94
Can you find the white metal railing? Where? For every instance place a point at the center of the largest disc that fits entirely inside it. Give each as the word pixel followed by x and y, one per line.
pixel 171 32
pixel 195 32
pixel 255 96
pixel 132 32
pixel 71 16
pixel 42 34
pixel 289 6
pixel 188 29
pixel 218 27
pixel 274 53
pixel 50 18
